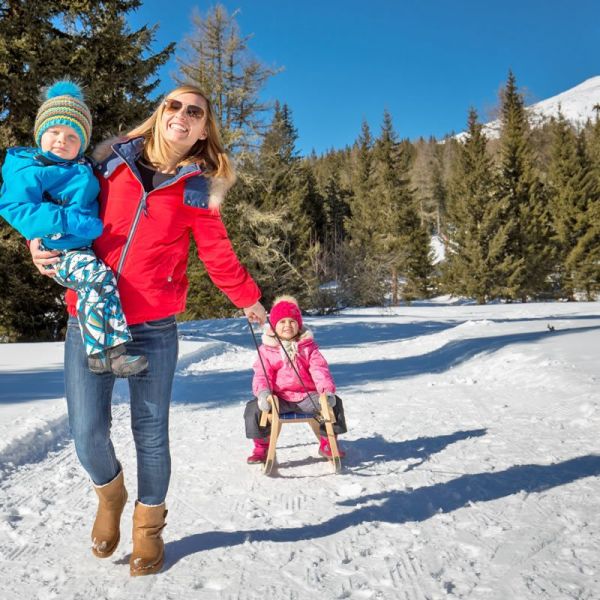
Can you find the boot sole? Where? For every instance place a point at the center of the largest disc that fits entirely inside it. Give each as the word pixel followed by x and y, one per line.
pixel 99 371
pixel 129 371
pixel 148 570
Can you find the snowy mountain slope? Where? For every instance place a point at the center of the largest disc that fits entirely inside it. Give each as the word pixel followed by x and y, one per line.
pixel 472 471
pixel 576 104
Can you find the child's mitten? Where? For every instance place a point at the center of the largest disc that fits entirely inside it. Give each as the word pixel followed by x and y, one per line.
pixel 263 402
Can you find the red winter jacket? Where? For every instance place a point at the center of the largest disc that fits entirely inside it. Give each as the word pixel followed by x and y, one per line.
pixel 146 238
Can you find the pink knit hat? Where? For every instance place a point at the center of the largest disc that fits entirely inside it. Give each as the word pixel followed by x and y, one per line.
pixel 285 308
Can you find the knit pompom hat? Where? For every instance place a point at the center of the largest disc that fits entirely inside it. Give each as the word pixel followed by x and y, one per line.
pixel 285 307
pixel 64 105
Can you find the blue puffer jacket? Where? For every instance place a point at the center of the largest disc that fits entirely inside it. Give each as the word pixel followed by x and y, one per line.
pixel 44 196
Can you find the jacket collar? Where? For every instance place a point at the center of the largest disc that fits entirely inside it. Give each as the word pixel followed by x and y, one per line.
pixel 128 151
pixel 112 153
pixel 48 159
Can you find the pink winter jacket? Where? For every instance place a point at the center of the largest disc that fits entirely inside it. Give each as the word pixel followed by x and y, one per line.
pixel 282 379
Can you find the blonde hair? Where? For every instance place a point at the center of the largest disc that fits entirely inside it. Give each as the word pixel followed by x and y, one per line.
pixel 209 153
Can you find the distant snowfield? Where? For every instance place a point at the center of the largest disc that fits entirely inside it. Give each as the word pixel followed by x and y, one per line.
pixel 472 470
pixel 577 105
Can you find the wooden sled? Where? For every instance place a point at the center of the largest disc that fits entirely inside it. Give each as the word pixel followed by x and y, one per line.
pixel 277 420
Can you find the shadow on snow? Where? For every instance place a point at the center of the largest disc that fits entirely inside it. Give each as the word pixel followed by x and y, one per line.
pixel 442 359
pixel 402 506
pixel 365 452
pixel 22 386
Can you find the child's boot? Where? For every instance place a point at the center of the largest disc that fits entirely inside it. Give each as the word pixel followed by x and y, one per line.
pixel 126 365
pixel 99 363
pixel 325 449
pixel 114 360
pixel 259 454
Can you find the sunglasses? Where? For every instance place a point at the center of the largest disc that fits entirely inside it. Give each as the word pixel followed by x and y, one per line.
pixel 191 110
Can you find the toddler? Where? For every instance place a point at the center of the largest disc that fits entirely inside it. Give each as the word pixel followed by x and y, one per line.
pixel 298 385
pixel 50 192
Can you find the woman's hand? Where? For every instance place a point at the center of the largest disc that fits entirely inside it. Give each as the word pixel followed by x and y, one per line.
pixel 256 313
pixel 41 259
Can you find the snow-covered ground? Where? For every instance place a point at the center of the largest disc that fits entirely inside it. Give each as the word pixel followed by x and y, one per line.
pixel 472 467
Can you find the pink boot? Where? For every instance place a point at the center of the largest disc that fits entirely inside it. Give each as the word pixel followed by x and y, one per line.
pixel 325 450
pixel 259 454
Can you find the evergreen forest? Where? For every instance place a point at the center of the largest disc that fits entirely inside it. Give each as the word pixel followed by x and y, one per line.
pixel 518 215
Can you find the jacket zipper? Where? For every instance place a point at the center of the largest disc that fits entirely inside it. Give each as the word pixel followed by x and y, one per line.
pixel 142 207
pixel 138 213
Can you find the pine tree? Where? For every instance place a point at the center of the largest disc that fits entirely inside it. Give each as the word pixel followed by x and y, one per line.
pixel 31 48
pixel 219 63
pixel 439 189
pixel 594 141
pixel 528 258
pixel 477 233
pixel 115 63
pixel 85 40
pixel 278 158
pixel 336 212
pixel 261 237
pixel 569 179
pixel 402 240
pixel 585 256
pixel 364 282
pixel 291 189
pixel 33 51
pixel 362 226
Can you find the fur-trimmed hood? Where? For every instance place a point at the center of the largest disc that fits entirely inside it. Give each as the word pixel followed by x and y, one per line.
pixel 218 186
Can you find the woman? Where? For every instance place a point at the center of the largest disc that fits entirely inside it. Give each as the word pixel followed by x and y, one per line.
pixel 165 179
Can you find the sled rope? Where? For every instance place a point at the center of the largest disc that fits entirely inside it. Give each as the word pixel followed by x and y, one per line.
pixel 262 364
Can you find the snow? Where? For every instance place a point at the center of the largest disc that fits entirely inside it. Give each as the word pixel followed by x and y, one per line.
pixel 576 104
pixel 472 467
pixel 438 249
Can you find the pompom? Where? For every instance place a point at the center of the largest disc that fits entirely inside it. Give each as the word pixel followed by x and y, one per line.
pixel 64 88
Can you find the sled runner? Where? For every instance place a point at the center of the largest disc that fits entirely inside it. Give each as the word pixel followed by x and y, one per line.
pixel 277 420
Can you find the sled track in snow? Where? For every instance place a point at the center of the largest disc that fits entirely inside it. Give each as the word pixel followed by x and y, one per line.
pixel 35 446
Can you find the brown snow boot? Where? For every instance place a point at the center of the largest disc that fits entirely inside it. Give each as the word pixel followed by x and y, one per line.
pixel 112 497
pixel 148 546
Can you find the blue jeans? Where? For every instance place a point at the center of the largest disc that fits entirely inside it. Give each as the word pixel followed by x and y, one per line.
pixel 89 399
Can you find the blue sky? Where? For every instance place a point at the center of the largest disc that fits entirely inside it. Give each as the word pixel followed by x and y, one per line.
pixel 426 61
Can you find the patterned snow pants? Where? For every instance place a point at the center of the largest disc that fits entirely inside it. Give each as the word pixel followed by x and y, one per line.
pixel 99 310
